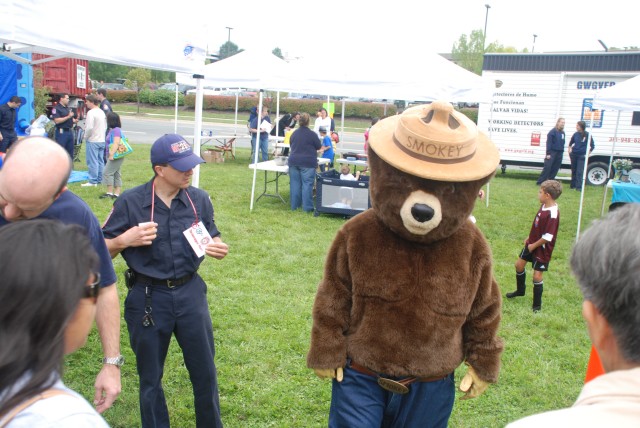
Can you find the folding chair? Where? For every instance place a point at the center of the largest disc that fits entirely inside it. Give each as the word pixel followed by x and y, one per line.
pixel 227 147
pixel 77 143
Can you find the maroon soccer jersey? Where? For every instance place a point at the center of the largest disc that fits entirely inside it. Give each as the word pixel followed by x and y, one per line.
pixel 545 226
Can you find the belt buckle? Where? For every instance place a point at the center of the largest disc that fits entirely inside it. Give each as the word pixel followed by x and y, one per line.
pixel 392 386
pixel 170 284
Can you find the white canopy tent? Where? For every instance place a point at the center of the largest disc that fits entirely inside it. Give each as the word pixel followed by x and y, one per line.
pixel 625 97
pixel 42 26
pixel 424 77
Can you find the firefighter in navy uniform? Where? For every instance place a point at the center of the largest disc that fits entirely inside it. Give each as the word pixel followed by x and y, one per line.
pixel 166 295
pixel 64 118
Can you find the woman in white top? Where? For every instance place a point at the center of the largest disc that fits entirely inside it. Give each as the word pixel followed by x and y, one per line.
pixel 47 307
pixel 322 120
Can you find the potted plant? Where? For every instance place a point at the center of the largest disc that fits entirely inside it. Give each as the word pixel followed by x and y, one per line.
pixel 623 166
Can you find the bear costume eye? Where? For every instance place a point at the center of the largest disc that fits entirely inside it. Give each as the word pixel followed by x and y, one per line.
pixel 449 189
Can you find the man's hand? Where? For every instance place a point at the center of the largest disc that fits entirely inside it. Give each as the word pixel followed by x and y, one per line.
pixel 336 374
pixel 216 249
pixel 140 235
pixel 107 387
pixel 472 384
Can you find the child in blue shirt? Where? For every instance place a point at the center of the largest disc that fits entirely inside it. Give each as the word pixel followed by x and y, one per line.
pixel 327 147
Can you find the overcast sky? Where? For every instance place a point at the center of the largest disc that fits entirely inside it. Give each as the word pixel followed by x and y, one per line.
pixel 332 27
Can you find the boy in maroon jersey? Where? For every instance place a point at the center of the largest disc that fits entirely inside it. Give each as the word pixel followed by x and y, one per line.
pixel 539 245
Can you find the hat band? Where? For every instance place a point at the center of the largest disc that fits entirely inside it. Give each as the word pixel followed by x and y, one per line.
pixel 433 152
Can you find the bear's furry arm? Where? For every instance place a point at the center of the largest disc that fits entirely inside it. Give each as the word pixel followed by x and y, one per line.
pixel 482 346
pixel 331 310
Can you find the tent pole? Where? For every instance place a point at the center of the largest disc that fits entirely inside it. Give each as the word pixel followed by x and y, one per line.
pixel 613 147
pixel 197 131
pixel 491 138
pixel 277 116
pixel 342 125
pixel 235 122
pixel 257 149
pixel 175 124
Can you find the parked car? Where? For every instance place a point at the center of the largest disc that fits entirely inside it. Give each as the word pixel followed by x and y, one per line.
pixel 172 87
pixel 113 86
pixel 220 91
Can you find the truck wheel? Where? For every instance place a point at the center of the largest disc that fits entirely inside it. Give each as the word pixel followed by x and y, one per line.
pixel 597 173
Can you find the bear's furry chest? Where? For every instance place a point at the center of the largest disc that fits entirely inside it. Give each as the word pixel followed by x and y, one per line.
pixel 439 276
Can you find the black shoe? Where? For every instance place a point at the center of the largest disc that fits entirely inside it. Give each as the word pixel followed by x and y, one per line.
pixel 536 308
pixel 106 195
pixel 114 196
pixel 515 294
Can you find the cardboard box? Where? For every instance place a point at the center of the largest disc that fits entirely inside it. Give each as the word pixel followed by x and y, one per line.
pixel 212 156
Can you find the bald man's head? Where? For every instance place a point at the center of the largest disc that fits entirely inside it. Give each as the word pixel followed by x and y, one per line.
pixel 34 173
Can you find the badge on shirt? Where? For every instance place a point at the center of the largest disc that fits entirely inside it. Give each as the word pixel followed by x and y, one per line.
pixel 198 237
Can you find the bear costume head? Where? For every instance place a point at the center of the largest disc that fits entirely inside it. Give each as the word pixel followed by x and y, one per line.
pixel 428 165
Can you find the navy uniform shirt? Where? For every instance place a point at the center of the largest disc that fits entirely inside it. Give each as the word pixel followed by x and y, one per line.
pixel 105 105
pixel 61 111
pixel 8 122
pixel 555 141
pixel 70 209
pixel 169 256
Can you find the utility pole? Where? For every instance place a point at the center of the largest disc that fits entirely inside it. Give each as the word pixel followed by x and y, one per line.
pixel 229 38
pixel 484 37
pixel 534 43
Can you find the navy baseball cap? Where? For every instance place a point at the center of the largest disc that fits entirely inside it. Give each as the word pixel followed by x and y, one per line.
pixel 174 150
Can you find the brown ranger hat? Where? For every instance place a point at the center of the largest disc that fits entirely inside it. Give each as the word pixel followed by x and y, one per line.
pixel 435 142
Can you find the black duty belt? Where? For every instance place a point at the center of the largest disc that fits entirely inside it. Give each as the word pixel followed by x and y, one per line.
pixel 170 283
pixel 64 130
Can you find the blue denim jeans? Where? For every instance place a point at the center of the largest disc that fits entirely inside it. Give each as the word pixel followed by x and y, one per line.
pixel 359 402
pixel 301 182
pixel 95 161
pixel 181 311
pixel 264 147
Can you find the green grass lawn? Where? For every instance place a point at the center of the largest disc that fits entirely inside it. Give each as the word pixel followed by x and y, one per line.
pixel 262 293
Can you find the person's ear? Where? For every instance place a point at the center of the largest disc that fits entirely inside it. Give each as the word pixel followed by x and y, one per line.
pixel 64 189
pixel 599 329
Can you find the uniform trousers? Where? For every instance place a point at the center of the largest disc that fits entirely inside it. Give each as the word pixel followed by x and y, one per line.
pixel 551 167
pixel 65 139
pixel 359 402
pixel 181 311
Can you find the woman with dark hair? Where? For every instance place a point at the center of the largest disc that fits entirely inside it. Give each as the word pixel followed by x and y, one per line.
pixel 303 162
pixel 578 151
pixel 111 176
pixel 47 306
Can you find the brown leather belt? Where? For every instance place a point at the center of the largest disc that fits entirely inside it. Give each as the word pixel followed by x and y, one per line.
pixel 400 386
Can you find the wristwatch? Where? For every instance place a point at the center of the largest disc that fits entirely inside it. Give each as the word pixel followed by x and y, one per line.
pixel 116 361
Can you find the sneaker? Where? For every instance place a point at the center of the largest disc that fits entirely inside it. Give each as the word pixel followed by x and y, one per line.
pixel 106 195
pixel 88 184
pixel 114 196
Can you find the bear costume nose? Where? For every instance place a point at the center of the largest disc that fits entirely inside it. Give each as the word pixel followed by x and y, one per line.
pixel 422 212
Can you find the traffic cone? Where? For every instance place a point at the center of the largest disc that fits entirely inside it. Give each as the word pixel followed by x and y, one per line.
pixel 594 367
